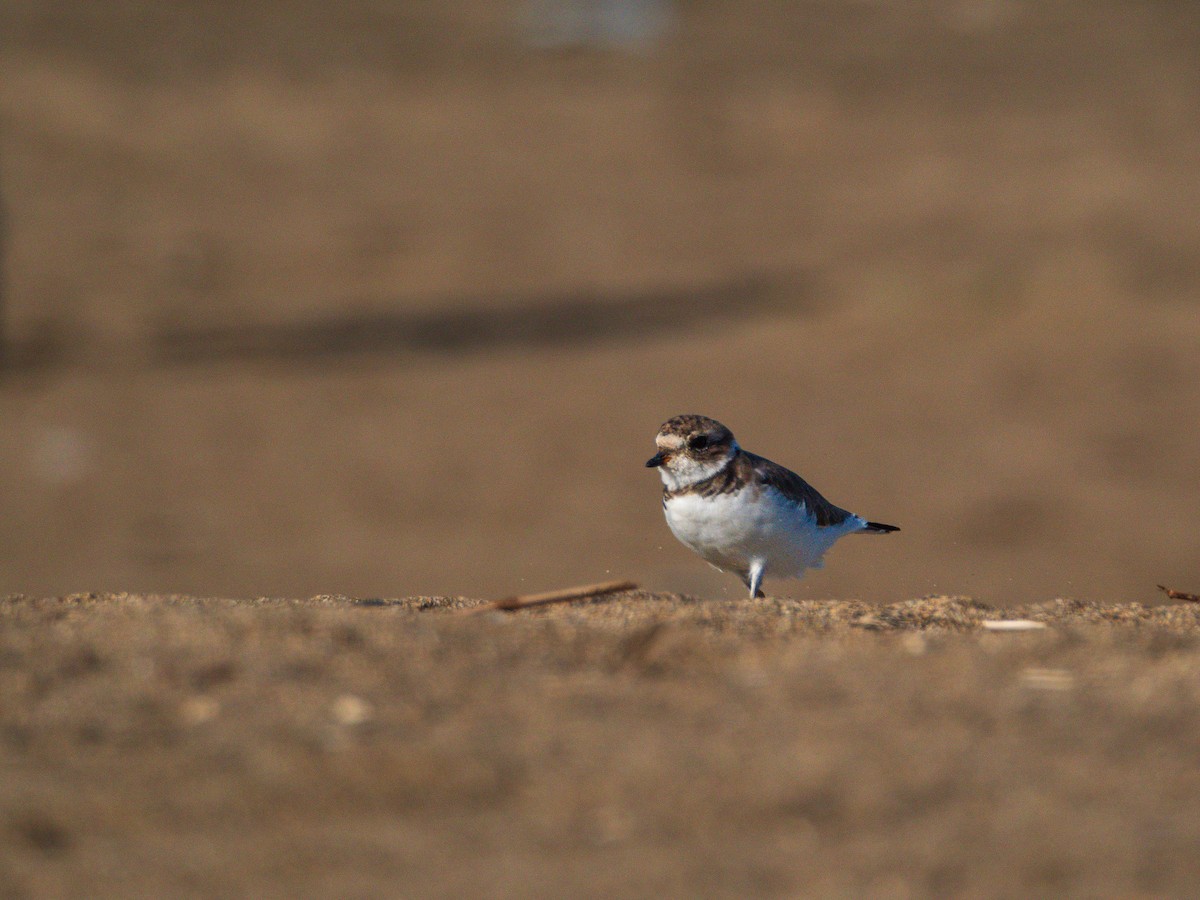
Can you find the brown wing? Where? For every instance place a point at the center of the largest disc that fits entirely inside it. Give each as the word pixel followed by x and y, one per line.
pixel 797 489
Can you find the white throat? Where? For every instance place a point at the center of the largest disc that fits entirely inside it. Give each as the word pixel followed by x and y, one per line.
pixel 681 472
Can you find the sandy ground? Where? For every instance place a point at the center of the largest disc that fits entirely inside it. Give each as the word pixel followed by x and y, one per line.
pixel 390 299
pixel 641 745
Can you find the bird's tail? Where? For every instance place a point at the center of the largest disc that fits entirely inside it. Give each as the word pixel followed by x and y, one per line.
pixel 878 528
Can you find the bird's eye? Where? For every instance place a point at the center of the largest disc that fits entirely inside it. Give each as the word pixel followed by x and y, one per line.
pixel 699 442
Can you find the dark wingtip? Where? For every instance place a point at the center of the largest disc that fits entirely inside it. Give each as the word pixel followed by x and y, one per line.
pixel 880 528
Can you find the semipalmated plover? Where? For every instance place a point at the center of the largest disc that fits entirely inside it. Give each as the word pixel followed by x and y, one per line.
pixel 742 513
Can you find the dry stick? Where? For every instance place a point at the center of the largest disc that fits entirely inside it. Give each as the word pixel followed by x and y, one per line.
pixel 1179 595
pixel 524 601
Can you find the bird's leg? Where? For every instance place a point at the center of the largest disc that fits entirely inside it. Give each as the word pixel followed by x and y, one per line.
pixel 758 568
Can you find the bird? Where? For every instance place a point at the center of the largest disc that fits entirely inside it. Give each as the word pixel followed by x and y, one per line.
pixel 742 513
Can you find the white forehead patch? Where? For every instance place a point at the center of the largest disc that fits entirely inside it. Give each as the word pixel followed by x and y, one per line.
pixel 669 442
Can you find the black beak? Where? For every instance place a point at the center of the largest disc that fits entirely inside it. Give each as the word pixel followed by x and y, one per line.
pixel 655 461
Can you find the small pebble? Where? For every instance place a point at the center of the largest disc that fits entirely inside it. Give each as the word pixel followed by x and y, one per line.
pixel 351 710
pixel 914 643
pixel 1048 679
pixel 198 710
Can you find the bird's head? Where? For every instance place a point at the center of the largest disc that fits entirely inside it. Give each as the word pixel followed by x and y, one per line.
pixel 690 449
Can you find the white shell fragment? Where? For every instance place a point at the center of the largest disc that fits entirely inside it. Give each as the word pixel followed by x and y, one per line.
pixel 1012 625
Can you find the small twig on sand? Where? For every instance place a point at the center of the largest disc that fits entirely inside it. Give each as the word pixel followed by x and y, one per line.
pixel 1179 595
pixel 524 601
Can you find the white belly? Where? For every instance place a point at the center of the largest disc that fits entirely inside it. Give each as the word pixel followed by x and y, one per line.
pixel 734 530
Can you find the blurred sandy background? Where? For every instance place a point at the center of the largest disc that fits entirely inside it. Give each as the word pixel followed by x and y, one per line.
pixel 385 298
